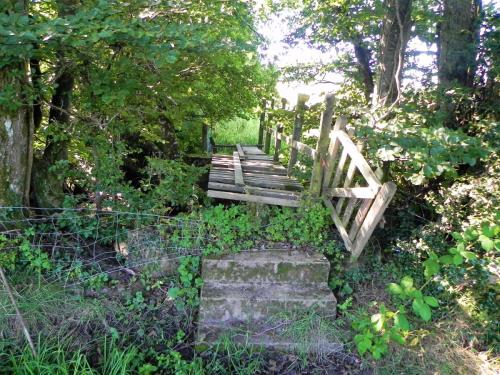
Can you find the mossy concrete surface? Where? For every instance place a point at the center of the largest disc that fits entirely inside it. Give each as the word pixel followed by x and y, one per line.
pixel 254 286
pixel 267 266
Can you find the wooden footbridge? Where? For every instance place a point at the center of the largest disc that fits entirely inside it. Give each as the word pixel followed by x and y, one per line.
pixel 340 175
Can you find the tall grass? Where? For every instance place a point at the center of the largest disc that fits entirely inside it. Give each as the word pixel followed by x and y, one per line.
pixel 237 130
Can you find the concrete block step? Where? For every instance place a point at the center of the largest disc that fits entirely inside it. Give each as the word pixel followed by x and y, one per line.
pixel 267 266
pixel 246 302
pixel 261 337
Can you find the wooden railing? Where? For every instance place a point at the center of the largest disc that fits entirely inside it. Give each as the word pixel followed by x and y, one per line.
pixel 341 176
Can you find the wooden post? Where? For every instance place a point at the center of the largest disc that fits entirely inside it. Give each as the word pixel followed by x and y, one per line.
pixel 297 130
pixel 205 141
pixel 262 123
pixel 322 146
pixel 277 142
pixel 333 149
pixel 372 218
pixel 267 143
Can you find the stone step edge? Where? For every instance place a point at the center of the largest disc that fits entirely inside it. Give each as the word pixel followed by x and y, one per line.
pixel 229 291
pixel 208 334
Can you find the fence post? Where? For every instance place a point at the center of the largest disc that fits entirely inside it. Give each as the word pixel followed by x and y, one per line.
pixel 297 130
pixel 333 149
pixel 262 123
pixel 267 143
pixel 322 146
pixel 205 141
pixel 277 142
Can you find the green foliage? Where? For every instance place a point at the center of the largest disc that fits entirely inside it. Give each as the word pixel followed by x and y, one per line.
pixel 228 229
pixel 170 183
pixel 18 253
pixel 378 330
pixel 237 130
pixel 417 144
pixel 306 225
pixel 421 304
pixel 189 284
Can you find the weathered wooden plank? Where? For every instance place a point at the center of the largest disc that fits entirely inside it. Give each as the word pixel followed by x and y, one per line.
pixel 357 158
pixel 356 192
pixel 351 203
pixel 253 198
pixel 241 153
pixel 262 120
pixel 267 142
pixel 238 173
pixel 332 152
pixel 351 170
pixel 372 218
pixel 284 194
pixel 339 170
pixel 225 187
pixel 322 146
pixel 277 142
pixel 297 130
pixel 338 223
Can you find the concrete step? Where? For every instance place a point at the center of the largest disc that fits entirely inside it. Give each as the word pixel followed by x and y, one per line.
pixel 267 266
pixel 238 302
pixel 269 338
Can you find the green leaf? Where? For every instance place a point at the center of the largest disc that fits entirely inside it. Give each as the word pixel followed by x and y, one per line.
pixel 431 301
pixel 468 255
pixel 446 259
pixel 486 243
pixel 457 236
pixel 487 231
pixel 395 336
pixel 431 268
pixel 457 259
pixel 401 322
pixel 407 283
pixel 416 294
pixel 173 292
pixel 395 289
pixel 421 309
pixel 363 343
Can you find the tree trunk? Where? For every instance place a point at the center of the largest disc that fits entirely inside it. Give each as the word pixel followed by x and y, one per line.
pixel 16 130
pixel 48 186
pixel 458 42
pixel 457 50
pixel 363 55
pixel 395 35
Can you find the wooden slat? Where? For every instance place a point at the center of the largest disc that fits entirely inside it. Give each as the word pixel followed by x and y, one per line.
pixel 284 194
pixel 357 158
pixel 322 146
pixel 338 223
pixel 240 151
pixel 340 169
pixel 356 192
pixel 348 211
pixel 332 152
pixel 225 187
pixel 253 198
pixel 372 218
pixel 238 173
pixel 351 170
